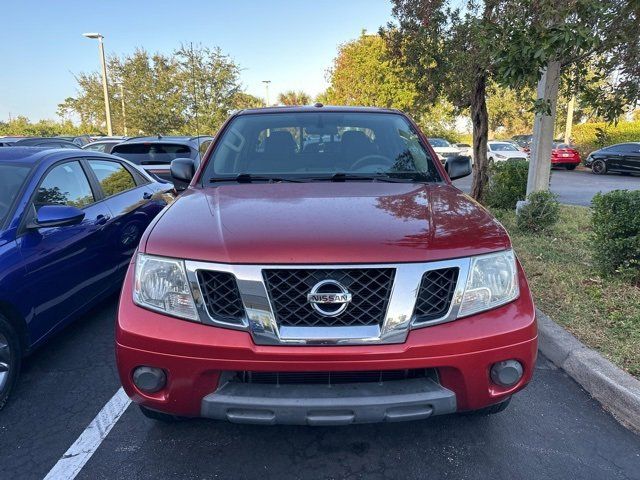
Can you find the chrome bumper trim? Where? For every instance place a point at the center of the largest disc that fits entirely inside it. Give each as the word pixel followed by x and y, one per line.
pixel 260 320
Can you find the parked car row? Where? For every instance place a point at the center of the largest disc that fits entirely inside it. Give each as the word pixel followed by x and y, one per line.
pixel 620 158
pixel 152 153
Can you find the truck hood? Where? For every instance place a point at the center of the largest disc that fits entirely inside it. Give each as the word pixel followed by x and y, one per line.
pixel 316 223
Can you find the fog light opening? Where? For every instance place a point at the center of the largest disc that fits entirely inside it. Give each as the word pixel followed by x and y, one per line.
pixel 149 379
pixel 506 373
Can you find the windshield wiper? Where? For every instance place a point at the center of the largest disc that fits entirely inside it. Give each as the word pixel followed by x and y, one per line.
pixel 380 177
pixel 248 178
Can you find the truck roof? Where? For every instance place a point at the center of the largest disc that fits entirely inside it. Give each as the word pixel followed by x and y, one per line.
pixel 318 107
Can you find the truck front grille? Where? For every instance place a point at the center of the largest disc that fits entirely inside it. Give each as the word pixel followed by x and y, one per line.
pixel 436 292
pixel 328 378
pixel 370 289
pixel 221 296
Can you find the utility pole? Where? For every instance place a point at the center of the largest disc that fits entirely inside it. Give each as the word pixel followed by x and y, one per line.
pixel 105 87
pixel 569 125
pixel 124 114
pixel 542 143
pixel 266 86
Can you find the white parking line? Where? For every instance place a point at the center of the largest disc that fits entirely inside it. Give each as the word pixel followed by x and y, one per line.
pixel 88 442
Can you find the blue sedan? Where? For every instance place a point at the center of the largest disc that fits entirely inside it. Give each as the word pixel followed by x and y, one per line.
pixel 70 220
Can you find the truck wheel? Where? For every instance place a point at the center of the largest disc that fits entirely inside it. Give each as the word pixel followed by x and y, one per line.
pixel 159 416
pixel 599 167
pixel 10 357
pixel 491 410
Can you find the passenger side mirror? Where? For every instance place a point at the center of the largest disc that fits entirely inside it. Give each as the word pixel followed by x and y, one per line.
pixel 458 167
pixel 182 171
pixel 57 216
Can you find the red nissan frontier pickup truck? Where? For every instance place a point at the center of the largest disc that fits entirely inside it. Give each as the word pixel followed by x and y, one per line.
pixel 321 269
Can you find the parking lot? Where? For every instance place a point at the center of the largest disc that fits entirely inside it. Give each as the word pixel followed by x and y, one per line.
pixel 579 186
pixel 551 430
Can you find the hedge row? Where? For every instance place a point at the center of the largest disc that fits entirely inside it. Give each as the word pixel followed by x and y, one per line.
pixel 588 137
pixel 616 233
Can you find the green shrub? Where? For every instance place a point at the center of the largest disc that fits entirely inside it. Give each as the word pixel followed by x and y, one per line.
pixel 588 137
pixel 616 233
pixel 507 184
pixel 541 212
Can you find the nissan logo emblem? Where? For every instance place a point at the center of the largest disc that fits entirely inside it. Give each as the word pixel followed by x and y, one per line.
pixel 329 298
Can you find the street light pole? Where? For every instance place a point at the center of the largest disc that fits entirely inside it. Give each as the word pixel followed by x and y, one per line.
pixel 124 114
pixel 569 124
pixel 266 85
pixel 105 87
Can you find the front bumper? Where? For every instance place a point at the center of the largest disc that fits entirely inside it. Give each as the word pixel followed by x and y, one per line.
pixel 196 356
pixel 402 400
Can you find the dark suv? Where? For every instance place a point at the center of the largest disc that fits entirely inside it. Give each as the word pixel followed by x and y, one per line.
pixel 155 154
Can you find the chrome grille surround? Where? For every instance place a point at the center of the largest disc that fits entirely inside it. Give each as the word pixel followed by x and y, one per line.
pixel 261 323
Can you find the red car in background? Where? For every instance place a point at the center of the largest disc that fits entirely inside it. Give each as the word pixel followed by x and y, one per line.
pixel 563 155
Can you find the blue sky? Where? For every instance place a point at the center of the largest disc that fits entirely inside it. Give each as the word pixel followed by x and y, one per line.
pixel 291 43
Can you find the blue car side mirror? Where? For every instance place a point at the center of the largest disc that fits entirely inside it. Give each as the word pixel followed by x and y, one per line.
pixel 57 216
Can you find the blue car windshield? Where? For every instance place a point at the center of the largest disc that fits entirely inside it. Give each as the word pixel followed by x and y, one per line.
pixel 312 146
pixel 11 179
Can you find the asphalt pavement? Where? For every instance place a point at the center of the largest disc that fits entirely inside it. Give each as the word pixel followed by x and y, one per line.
pixel 551 430
pixel 577 187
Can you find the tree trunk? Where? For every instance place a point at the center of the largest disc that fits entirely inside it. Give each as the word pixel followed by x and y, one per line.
pixel 543 126
pixel 480 120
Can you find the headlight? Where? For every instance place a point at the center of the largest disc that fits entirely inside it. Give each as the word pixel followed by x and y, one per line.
pixel 161 284
pixel 500 156
pixel 492 281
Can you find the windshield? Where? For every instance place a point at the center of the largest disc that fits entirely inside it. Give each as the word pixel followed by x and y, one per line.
pixel 11 179
pixel 503 147
pixel 310 145
pixel 439 142
pixel 151 153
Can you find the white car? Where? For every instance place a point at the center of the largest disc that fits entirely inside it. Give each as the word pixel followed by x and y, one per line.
pixel 443 149
pixel 503 151
pixel 465 149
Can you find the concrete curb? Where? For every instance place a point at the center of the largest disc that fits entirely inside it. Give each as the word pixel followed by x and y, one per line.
pixel 615 389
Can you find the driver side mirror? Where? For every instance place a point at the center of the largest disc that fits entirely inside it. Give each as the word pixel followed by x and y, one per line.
pixel 182 172
pixel 49 216
pixel 458 167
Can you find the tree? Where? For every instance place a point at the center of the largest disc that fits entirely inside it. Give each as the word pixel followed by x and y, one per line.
pixel 363 74
pixel 459 51
pixel 44 128
pixel 592 45
pixel 243 100
pixel 509 110
pixel 189 91
pixel 446 51
pixel 291 97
